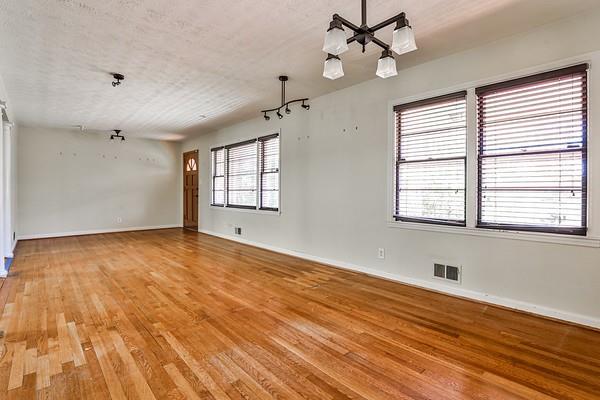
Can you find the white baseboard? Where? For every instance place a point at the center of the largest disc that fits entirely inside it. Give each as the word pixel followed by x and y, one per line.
pixel 438 287
pixel 95 231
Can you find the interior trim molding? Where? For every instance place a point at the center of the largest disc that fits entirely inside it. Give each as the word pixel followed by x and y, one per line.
pixel 96 231
pixel 518 305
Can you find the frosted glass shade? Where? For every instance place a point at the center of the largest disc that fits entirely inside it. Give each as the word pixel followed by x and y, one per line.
pixel 386 67
pixel 335 42
pixel 403 40
pixel 333 68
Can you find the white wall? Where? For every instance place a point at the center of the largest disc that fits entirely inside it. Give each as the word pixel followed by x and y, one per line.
pixel 335 187
pixel 71 182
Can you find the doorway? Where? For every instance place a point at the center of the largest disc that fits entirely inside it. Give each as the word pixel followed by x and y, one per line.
pixel 190 190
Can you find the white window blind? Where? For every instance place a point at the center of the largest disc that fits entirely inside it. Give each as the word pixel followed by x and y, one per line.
pixel 269 172
pixel 533 153
pixel 431 160
pixel 241 174
pixel 218 176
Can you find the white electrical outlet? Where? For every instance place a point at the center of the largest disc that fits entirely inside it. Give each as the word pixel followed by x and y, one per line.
pixel 119 220
pixel 381 253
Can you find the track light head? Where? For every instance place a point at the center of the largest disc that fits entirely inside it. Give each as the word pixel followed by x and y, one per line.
pixel 305 106
pixel 279 114
pixel 287 110
pixel 266 117
pixel 122 138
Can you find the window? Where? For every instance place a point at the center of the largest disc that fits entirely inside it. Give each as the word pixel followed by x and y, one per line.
pixel 532 153
pixel 269 172
pixel 246 174
pixel 241 174
pixel 431 160
pixel 218 177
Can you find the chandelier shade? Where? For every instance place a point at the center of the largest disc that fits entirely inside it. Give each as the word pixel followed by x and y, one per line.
pixel 386 65
pixel 403 40
pixel 333 67
pixel 335 41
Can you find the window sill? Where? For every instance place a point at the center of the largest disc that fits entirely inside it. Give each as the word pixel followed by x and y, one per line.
pixel 246 210
pixel 502 234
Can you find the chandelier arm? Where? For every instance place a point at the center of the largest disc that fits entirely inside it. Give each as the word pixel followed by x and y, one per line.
pixel 380 43
pixel 387 22
pixel 346 23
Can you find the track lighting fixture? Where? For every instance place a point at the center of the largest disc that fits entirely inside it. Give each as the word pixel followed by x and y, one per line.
pixel 403 41
pixel 118 79
pixel 117 135
pixel 284 104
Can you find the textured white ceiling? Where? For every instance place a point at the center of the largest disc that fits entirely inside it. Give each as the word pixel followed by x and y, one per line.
pixel 185 59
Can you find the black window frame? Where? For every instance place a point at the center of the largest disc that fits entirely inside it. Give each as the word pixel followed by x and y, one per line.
pixel 398 162
pixel 213 157
pixel 262 173
pixel 488 89
pixel 258 174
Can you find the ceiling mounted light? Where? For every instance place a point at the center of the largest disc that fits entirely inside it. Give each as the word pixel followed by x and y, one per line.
pixel 117 135
pixel 403 41
pixel 284 104
pixel 335 39
pixel 332 68
pixel 118 79
pixel 386 65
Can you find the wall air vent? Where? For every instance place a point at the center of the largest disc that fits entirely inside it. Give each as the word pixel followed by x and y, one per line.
pixel 439 270
pixel 447 272
pixel 237 230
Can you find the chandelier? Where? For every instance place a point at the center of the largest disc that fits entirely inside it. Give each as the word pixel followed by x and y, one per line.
pixel 336 43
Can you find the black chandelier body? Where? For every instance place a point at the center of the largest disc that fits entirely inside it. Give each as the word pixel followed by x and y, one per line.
pixel 364 34
pixel 284 104
pixel 336 42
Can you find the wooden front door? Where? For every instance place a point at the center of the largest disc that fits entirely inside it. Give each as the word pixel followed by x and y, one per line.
pixel 190 190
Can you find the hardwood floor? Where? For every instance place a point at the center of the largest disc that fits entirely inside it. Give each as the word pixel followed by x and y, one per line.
pixel 178 315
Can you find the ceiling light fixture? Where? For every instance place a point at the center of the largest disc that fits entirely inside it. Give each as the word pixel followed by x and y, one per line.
pixel 117 135
pixel 118 79
pixel 284 104
pixel 403 41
